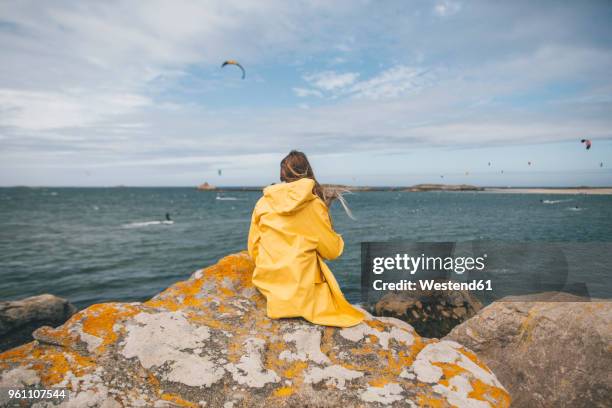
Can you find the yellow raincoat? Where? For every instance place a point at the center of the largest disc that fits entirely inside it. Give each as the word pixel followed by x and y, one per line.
pixel 290 235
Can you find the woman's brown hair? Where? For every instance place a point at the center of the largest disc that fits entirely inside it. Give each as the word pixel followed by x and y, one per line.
pixel 295 166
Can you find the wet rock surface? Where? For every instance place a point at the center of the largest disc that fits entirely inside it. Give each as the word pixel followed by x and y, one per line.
pixel 206 342
pixel 549 350
pixel 432 313
pixel 19 318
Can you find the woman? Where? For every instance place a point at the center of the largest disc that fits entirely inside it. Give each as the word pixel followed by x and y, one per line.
pixel 291 233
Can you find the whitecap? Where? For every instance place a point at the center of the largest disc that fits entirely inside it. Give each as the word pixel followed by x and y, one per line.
pixel 555 201
pixel 146 224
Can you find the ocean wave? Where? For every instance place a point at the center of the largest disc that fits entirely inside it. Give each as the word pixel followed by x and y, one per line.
pixel 146 224
pixel 555 201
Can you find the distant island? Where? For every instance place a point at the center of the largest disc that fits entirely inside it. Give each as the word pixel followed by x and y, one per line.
pixel 443 187
pixel 430 187
pixel 551 190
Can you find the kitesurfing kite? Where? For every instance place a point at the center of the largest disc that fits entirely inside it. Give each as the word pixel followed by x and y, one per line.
pixel 219 172
pixel 587 143
pixel 529 163
pixel 489 164
pixel 236 63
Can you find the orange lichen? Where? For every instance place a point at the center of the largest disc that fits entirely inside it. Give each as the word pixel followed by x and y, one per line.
pixel 210 321
pixel 176 399
pixel 450 370
pixel 283 392
pixel 151 379
pixel 376 324
pixel 485 392
pixel 238 268
pixel 295 369
pixel 185 290
pixel 100 319
pixel 53 364
pixel 167 303
pixel 474 359
pixel 227 292
pixel 430 402
pixel 235 350
pixel 17 354
pixel 378 382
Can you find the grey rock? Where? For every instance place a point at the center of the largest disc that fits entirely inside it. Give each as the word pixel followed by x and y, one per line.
pixel 207 342
pixel 19 318
pixel 549 350
pixel 432 313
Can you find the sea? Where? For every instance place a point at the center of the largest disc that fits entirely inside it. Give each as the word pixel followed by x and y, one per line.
pixel 93 245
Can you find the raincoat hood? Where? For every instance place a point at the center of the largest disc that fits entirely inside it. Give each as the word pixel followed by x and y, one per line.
pixel 285 198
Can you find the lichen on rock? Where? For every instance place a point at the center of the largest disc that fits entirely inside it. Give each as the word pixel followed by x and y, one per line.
pixel 550 349
pixel 207 342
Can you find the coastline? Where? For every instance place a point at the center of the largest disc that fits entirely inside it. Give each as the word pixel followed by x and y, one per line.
pixel 567 190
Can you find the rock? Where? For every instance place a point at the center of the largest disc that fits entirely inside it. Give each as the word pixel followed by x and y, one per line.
pixel 432 313
pixel 206 187
pixel 548 354
pixel 19 318
pixel 207 342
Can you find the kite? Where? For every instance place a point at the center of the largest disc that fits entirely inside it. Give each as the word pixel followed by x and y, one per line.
pixel 236 63
pixel 587 143
pixel 219 172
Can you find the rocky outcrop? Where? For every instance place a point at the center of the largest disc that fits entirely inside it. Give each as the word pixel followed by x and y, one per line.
pixel 207 342
pixel 432 313
pixel 19 318
pixel 206 187
pixel 548 354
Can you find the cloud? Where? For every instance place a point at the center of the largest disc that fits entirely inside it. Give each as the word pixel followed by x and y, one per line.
pixel 31 110
pixel 330 80
pixel 392 83
pixel 446 8
pixel 389 83
pixel 123 83
pixel 303 92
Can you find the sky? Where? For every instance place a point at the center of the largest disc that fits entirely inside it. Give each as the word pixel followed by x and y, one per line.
pixel 375 93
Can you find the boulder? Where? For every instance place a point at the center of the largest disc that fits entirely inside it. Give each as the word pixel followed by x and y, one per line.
pixel 19 318
pixel 553 353
pixel 432 313
pixel 207 342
